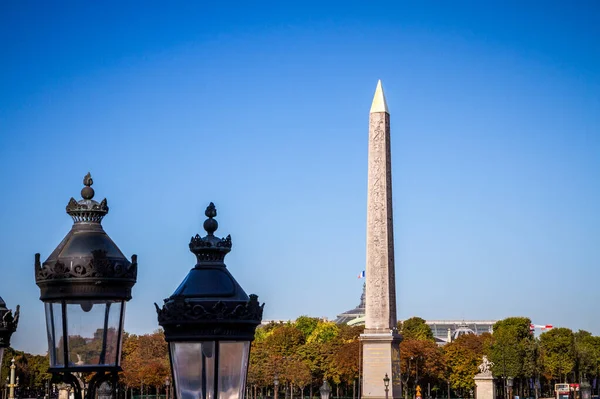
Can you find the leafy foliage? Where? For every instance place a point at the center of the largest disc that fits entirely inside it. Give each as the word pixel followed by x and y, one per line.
pixel 507 351
pixel 587 351
pixel 145 359
pixel 304 352
pixel 463 356
pixel 558 352
pixel 306 325
pixel 421 359
pixel 416 328
pixel 324 332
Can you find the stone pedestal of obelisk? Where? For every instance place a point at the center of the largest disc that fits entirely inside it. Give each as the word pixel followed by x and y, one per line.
pixel 380 341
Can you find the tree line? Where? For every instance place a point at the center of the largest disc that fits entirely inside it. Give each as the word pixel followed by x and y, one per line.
pixel 300 354
pixel 304 352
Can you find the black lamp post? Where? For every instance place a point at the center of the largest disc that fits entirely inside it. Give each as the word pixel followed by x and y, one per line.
pixel 386 383
pixel 8 325
pixel 84 284
pixel 209 322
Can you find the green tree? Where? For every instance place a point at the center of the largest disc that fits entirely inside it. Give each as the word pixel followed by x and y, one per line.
pixel 272 352
pixel 507 350
pixel 587 354
pixel 463 357
pixel 532 365
pixel 260 370
pixel 284 340
pixel 38 365
pixel 325 331
pixel 557 348
pixel 416 328
pixel 306 325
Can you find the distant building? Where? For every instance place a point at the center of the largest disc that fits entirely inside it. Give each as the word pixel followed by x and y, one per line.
pixel 354 316
pixel 276 321
pixel 444 331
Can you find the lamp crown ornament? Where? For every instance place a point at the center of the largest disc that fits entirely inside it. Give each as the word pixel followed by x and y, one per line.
pixel 210 249
pixel 8 323
pixel 87 210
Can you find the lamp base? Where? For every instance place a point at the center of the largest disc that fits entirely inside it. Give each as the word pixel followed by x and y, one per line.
pixel 82 390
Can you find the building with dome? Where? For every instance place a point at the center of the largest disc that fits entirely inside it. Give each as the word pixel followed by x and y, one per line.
pixel 356 316
pixel 444 331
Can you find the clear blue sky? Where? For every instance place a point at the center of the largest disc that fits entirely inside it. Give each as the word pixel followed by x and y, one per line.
pixel 263 109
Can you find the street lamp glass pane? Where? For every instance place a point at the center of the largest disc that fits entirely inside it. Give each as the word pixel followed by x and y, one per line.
pixel 233 363
pixel 55 333
pixel 118 319
pixel 1 356
pixel 194 369
pixel 93 328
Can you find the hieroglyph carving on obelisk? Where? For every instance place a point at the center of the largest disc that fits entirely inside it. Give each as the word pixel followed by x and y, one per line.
pixel 380 275
pixel 381 342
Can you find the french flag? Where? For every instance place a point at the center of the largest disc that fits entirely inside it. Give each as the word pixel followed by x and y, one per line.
pixel 361 274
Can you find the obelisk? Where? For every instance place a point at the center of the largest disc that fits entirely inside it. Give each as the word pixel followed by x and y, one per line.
pixel 381 341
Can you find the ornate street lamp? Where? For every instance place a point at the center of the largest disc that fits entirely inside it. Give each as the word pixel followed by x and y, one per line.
pixel 8 325
pixel 84 284
pixel 325 389
pixel 386 383
pixel 209 323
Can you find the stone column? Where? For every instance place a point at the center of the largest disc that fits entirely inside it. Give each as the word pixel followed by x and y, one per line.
pixel 12 385
pixel 381 341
